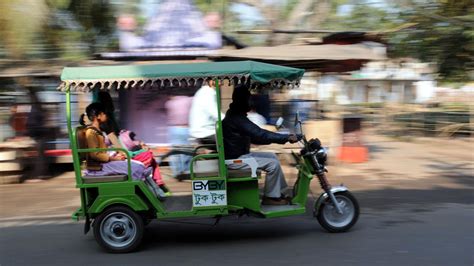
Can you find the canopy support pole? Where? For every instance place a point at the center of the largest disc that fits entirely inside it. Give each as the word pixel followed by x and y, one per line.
pixel 72 136
pixel 219 134
pixel 75 155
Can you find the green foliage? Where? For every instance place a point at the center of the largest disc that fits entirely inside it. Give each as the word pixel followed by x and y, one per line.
pixel 443 32
pixel 20 22
pixel 70 29
pixel 97 19
pixel 288 7
pixel 63 4
pixel 439 36
pixel 455 107
pixel 362 17
pixel 209 5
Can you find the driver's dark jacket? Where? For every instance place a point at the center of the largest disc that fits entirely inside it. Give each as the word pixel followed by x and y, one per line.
pixel 239 132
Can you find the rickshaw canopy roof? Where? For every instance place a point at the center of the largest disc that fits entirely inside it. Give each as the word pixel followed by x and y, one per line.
pixel 176 75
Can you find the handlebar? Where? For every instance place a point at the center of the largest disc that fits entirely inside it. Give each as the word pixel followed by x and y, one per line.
pixel 299 137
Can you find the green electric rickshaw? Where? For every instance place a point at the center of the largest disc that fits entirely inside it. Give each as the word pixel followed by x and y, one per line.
pixel 118 207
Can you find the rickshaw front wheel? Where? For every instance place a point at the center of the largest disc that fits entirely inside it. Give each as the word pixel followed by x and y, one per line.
pixel 119 229
pixel 335 222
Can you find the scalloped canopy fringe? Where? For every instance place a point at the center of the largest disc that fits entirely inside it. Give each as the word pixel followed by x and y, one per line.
pixel 161 76
pixel 86 86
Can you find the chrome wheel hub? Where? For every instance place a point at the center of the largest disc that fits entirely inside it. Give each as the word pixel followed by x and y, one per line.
pixel 118 229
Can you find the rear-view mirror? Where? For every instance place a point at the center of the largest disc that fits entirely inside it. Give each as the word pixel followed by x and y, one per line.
pixel 279 122
pixel 298 124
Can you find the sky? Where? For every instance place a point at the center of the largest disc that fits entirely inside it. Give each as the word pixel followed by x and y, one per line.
pixel 247 14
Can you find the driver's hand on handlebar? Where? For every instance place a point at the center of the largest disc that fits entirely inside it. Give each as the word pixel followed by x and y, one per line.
pixel 293 138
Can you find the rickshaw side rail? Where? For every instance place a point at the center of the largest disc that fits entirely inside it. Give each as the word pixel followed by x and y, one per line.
pixel 199 157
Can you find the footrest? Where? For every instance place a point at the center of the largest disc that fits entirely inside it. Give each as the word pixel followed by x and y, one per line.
pixel 77 215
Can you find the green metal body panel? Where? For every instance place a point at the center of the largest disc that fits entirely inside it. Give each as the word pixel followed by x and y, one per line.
pixel 117 193
pixel 285 213
pixel 131 200
pixel 242 179
pixel 303 182
pixel 244 194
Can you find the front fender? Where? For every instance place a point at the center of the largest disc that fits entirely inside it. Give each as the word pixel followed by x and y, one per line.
pixel 324 196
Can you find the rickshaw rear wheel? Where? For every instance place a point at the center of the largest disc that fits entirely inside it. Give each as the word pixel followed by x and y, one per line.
pixel 119 229
pixel 331 220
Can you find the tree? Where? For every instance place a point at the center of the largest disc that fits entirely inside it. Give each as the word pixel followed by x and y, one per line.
pixel 291 15
pixel 55 28
pixel 443 33
pixel 440 31
pixel 97 19
pixel 18 30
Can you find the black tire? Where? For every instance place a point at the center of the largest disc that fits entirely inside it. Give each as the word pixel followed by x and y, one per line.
pixel 327 212
pixel 147 221
pixel 125 232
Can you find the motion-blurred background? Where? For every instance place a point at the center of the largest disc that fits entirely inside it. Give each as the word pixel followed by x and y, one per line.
pixel 401 70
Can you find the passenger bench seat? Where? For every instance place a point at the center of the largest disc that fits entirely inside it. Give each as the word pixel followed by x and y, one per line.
pixel 91 179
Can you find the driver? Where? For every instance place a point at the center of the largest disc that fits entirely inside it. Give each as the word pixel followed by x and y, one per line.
pixel 240 132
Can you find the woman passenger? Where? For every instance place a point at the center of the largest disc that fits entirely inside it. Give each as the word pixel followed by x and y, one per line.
pixel 103 163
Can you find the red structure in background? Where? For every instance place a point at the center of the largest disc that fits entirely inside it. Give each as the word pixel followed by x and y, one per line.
pixel 352 149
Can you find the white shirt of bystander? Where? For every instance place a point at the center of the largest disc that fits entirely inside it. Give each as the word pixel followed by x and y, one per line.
pixel 203 113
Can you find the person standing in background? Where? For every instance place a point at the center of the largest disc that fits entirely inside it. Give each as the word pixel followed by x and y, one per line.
pixel 203 114
pixel 37 130
pixel 177 111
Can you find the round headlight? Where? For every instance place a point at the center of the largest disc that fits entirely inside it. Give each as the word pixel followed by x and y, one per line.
pixel 322 155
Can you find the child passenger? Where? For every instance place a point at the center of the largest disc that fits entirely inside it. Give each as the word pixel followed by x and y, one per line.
pixel 102 163
pixel 140 152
